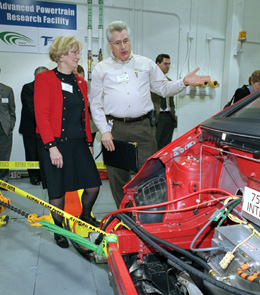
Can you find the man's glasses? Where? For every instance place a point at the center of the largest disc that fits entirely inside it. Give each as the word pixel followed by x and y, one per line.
pixel 119 43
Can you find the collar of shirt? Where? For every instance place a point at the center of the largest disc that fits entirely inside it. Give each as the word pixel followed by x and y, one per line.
pixel 250 88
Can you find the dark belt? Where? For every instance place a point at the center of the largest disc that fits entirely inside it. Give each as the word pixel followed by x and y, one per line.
pixel 164 112
pixel 129 120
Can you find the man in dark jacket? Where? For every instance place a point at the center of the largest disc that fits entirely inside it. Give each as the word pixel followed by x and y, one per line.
pixel 7 122
pixel 28 127
pixel 166 119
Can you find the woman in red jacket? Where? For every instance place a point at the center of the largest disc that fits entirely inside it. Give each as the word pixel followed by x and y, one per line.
pixel 65 144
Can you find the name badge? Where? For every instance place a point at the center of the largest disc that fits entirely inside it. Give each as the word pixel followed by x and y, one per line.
pixel 122 78
pixel 66 87
pixel 5 100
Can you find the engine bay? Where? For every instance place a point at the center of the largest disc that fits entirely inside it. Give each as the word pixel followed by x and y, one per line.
pixel 190 229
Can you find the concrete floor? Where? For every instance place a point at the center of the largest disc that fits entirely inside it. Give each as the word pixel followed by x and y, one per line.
pixel 30 261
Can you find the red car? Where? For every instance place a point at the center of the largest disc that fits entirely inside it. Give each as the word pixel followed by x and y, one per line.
pixel 190 219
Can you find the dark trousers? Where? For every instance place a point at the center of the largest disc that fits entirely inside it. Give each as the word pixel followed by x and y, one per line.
pixel 5 152
pixel 164 129
pixel 31 154
pixel 140 132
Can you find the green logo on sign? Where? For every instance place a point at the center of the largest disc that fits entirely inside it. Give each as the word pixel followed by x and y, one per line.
pixel 12 37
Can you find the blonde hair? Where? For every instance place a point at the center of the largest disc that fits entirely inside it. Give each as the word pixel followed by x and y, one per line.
pixel 255 77
pixel 61 45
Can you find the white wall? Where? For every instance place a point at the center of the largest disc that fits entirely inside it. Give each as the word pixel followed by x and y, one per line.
pixel 194 32
pixel 250 59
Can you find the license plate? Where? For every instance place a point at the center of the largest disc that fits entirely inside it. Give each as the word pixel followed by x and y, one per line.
pixel 251 202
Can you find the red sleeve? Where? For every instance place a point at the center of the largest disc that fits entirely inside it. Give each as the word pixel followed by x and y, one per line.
pixel 84 89
pixel 48 106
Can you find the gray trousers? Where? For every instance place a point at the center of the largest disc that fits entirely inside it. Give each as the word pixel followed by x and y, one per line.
pixel 140 132
pixel 5 152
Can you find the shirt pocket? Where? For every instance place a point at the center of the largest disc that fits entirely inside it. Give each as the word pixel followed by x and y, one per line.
pixel 143 79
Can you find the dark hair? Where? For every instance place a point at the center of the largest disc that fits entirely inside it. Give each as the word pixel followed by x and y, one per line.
pixel 80 69
pixel 160 57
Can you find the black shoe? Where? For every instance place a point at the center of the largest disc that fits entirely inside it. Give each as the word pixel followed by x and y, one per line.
pixel 61 241
pixel 91 220
pixel 35 182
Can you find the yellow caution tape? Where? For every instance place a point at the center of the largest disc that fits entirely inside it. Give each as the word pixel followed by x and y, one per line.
pixel 3 220
pixel 104 247
pixel 113 239
pixel 100 165
pixel 62 213
pixel 32 165
pixel 19 165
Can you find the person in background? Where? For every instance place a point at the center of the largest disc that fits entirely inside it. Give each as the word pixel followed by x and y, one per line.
pixel 166 119
pixel 28 127
pixel 65 145
pixel 254 84
pixel 80 71
pixel 120 95
pixel 7 122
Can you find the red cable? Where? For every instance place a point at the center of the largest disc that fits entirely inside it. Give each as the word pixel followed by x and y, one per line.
pixel 166 203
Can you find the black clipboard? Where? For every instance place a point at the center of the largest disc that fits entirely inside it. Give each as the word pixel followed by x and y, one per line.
pixel 125 155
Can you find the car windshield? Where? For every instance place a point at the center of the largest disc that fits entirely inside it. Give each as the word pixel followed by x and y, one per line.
pixel 250 111
pixel 237 126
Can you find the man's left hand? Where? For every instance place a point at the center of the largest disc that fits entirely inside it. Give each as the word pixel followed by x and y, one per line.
pixel 193 79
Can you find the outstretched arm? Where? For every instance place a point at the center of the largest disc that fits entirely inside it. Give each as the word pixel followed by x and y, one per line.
pixel 161 86
pixel 193 79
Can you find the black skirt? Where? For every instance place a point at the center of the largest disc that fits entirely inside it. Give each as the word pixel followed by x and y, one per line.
pixel 79 170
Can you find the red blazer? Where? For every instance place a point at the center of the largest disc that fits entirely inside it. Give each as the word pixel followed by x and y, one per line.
pixel 48 106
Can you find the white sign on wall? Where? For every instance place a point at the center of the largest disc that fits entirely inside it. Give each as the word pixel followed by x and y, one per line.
pixel 31 26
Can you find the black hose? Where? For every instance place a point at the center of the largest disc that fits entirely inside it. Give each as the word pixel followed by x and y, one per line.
pixel 176 248
pixel 190 269
pixel 100 236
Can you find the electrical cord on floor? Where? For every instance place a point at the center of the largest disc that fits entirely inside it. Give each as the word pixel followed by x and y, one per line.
pixel 188 268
